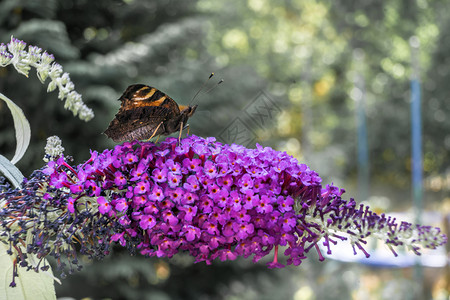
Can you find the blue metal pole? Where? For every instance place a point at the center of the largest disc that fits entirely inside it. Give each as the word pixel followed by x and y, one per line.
pixel 416 137
pixel 363 149
pixel 416 151
pixel 416 133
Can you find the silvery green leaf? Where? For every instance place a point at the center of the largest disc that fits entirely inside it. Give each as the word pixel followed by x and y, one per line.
pixel 30 285
pixel 23 130
pixel 10 171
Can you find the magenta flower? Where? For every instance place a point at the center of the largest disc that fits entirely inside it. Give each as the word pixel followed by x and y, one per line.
pixel 159 175
pixel 103 205
pixel 210 169
pixel 173 180
pixel 121 204
pixel 138 200
pixel 198 196
pixel 147 222
pixel 191 184
pixel 191 165
pixel 157 193
pixel 173 167
pixel 246 182
pixel 142 187
pixel 71 205
pixel 189 212
pixel 119 179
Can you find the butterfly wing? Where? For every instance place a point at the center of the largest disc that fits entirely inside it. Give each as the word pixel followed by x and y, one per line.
pixel 138 123
pixel 145 111
pixel 141 95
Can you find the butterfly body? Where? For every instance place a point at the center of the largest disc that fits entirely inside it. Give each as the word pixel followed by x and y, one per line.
pixel 146 112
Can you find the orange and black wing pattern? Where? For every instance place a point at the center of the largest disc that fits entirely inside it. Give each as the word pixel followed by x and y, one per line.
pixel 140 95
pixel 146 112
pixel 142 109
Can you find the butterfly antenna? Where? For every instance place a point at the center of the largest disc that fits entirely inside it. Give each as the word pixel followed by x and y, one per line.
pixel 220 81
pixel 201 87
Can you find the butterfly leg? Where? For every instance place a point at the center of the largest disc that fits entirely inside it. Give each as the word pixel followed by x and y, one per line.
pixel 154 132
pixel 187 126
pixel 181 130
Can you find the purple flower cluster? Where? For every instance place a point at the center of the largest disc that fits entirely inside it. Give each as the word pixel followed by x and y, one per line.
pixel 202 197
pixel 212 200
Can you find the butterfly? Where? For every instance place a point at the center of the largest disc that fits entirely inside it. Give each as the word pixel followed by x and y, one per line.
pixel 146 112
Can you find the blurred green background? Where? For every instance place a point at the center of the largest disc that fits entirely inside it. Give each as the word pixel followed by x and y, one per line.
pixel 320 66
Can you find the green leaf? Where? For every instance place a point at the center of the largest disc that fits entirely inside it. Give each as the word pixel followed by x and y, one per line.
pixel 11 172
pixel 23 130
pixel 30 284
